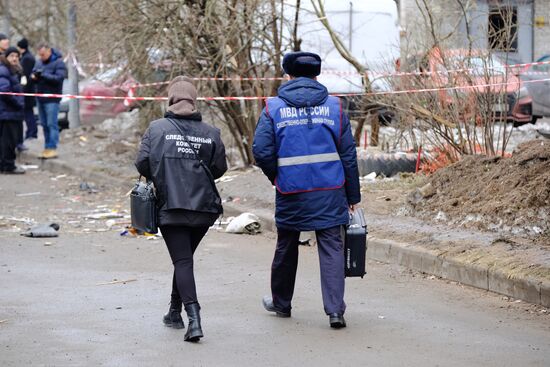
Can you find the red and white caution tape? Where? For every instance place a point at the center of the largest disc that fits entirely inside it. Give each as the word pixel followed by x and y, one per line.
pixel 131 97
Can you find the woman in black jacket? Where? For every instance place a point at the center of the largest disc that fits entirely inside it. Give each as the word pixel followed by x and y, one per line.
pixel 11 110
pixel 182 156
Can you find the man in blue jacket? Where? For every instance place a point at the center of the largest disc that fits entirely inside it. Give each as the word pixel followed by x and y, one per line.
pixel 49 73
pixel 304 145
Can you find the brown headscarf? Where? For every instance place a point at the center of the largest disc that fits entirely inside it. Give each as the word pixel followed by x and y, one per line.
pixel 182 96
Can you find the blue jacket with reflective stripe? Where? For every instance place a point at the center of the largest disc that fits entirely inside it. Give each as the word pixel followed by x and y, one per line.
pixel 306 139
pixel 311 157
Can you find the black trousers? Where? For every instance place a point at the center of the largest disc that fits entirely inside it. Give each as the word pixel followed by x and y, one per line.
pixel 10 135
pixel 331 261
pixel 182 242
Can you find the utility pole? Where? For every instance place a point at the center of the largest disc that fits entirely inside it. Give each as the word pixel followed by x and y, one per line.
pixel 350 25
pixel 74 104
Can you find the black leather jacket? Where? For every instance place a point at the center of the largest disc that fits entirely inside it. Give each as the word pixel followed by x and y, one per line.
pixel 185 193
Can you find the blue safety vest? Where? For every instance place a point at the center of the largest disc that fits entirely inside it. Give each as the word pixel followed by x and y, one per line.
pixel 307 140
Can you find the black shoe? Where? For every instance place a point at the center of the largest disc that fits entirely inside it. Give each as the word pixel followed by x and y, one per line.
pixel 173 318
pixel 194 330
pixel 268 305
pixel 15 171
pixel 337 321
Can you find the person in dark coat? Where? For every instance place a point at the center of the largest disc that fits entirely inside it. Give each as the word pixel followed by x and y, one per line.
pixel 11 110
pixel 183 156
pixel 27 63
pixel 49 73
pixel 304 145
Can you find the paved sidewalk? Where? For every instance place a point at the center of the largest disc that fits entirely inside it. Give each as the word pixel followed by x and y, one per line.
pixel 480 259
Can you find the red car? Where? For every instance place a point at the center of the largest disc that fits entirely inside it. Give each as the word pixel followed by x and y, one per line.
pixel 486 73
pixel 112 82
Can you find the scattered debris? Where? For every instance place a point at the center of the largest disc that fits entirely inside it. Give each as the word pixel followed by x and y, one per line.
pixel 247 223
pixel 27 221
pixel 27 167
pixel 440 217
pixel 42 230
pixel 3 321
pixel 84 186
pixel 58 177
pixel 118 282
pixel 29 194
pixel 427 190
pixel 48 243
pixel 370 177
pixel 131 231
pixel 304 242
pixel 105 215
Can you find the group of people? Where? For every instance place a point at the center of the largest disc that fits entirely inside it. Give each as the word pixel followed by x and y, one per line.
pixel 303 144
pixel 21 72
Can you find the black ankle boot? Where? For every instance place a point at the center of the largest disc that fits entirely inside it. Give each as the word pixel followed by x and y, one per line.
pixel 173 317
pixel 194 330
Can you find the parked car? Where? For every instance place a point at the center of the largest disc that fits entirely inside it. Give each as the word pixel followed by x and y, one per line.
pixel 538 88
pixel 112 82
pixel 479 68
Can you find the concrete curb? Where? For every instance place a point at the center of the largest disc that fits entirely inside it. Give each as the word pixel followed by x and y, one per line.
pixel 383 250
pixel 419 259
pixel 527 289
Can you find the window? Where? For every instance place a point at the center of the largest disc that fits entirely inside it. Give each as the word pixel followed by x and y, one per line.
pixel 503 29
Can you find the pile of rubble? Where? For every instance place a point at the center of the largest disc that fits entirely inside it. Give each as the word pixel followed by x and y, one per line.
pixel 501 194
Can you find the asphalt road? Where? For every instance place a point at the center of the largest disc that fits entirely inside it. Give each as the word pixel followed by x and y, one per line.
pixel 54 313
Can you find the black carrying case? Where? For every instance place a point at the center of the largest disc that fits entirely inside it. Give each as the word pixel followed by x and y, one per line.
pixel 143 207
pixel 355 245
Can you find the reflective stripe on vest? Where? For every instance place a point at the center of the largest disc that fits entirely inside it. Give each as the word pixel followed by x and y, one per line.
pixel 305 159
pixel 306 142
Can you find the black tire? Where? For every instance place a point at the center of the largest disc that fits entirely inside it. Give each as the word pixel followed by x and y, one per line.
pixel 386 163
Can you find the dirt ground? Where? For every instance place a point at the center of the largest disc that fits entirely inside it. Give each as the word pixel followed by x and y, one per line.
pixel 493 193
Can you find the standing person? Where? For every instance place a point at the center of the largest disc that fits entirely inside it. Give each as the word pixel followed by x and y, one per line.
pixel 27 63
pixel 4 43
pixel 49 73
pixel 182 156
pixel 304 145
pixel 11 110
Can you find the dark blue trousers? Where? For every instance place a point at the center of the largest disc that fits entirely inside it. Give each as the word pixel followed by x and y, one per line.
pixel 30 120
pixel 331 259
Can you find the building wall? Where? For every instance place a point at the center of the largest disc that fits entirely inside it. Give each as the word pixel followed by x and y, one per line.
pixel 542 32
pixel 416 34
pixel 448 17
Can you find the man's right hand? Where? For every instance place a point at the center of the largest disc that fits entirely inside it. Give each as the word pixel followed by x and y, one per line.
pixel 36 74
pixel 352 208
